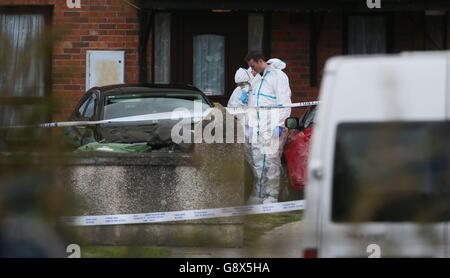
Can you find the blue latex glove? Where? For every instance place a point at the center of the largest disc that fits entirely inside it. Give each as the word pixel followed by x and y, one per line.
pixel 244 97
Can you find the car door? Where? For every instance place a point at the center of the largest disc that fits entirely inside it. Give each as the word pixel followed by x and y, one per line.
pixel 77 136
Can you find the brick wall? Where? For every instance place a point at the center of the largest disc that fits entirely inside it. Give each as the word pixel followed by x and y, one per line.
pixel 290 42
pixel 98 25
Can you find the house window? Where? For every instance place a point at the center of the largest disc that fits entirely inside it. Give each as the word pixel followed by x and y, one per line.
pixel 209 64
pixel 366 35
pixel 23 66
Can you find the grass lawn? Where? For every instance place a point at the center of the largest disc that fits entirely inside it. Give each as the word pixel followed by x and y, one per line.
pixel 124 252
pixel 254 227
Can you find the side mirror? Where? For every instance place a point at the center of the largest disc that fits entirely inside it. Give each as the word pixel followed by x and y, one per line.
pixel 292 123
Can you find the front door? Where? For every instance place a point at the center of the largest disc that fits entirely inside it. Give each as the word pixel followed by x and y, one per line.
pixel 207 50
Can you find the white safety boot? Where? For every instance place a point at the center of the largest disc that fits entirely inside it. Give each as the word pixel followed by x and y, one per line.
pixel 270 200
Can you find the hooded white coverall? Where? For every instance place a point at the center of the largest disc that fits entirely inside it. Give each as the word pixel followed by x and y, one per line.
pixel 267 133
pixel 277 63
pixel 242 76
pixel 240 93
pixel 245 75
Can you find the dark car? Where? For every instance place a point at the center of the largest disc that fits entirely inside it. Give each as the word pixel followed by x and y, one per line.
pixel 119 101
pixel 134 166
pixel 295 154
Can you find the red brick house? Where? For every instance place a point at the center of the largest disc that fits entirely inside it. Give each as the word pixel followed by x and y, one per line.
pixel 204 42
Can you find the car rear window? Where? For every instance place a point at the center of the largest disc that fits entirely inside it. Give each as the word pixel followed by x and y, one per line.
pixel 125 105
pixel 394 171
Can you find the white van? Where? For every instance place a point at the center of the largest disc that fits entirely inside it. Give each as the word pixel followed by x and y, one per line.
pixel 379 171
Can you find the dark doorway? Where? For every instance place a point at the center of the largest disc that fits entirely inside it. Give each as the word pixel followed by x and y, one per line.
pixel 207 49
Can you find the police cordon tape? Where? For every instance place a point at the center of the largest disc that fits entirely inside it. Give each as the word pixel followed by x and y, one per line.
pixel 161 116
pixel 170 216
pixel 293 105
pixel 245 109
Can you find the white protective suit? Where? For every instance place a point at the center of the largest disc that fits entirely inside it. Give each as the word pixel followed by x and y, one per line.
pixel 245 75
pixel 243 93
pixel 277 63
pixel 266 132
pixel 241 76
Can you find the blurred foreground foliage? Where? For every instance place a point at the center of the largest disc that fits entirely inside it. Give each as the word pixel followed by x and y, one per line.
pixel 33 192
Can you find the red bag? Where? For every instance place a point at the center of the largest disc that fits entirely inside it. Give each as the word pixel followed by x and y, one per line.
pixel 296 152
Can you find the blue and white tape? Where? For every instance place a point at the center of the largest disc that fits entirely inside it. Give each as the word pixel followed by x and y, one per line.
pixel 246 109
pixel 293 105
pixel 158 217
pixel 155 117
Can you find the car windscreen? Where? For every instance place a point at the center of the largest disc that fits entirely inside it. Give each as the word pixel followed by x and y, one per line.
pixel 391 171
pixel 125 105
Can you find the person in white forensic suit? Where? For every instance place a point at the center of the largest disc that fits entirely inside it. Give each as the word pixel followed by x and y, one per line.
pixel 266 129
pixel 240 95
pixel 244 79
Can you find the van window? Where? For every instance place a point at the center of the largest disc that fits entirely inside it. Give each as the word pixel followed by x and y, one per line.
pixel 391 171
